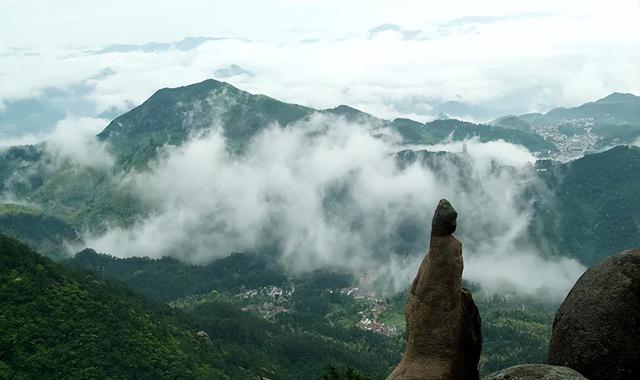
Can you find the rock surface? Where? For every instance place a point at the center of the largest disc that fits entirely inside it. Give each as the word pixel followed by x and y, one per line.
pixel 535 372
pixel 597 329
pixel 443 323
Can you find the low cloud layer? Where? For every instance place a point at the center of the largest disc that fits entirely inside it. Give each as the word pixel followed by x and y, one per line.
pixel 74 138
pixel 325 192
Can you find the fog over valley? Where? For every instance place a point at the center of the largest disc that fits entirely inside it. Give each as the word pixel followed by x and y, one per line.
pixel 286 190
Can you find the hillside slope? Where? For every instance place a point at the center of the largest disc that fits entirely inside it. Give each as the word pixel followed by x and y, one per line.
pixel 45 233
pixel 57 322
pixel 171 114
pixel 595 211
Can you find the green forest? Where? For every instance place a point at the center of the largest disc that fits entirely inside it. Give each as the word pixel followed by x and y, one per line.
pixel 96 316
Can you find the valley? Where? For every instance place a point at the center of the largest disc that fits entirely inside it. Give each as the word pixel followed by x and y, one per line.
pixel 311 276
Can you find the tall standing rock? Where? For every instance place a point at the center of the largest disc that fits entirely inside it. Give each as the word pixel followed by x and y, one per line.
pixel 596 331
pixel 443 323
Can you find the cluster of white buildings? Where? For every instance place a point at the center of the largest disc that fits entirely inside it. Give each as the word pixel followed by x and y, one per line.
pixel 570 146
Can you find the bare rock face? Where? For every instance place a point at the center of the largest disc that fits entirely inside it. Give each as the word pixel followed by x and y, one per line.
pixel 535 372
pixel 443 323
pixel 596 331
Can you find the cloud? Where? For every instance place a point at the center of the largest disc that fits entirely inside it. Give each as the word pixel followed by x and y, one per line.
pixel 421 60
pixel 28 139
pixel 38 115
pixel 326 192
pixel 74 138
pixel 187 43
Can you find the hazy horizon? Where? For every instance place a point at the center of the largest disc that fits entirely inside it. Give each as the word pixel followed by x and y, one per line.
pixel 405 59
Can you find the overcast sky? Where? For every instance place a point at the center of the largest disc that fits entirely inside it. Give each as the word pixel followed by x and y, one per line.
pixel 476 60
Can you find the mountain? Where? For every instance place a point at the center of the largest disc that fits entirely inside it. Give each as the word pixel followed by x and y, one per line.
pixel 66 323
pixel 616 108
pixel 168 279
pixel 171 115
pixel 589 128
pixel 512 122
pixel 595 206
pixel 441 130
pixel 461 130
pixel 90 198
pixel 316 305
pixel 22 168
pixel 45 233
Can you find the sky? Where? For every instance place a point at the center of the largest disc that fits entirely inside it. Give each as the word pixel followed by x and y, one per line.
pixel 72 60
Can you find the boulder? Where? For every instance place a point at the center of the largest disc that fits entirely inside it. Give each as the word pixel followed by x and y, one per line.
pixel 443 323
pixel 596 331
pixel 535 372
pixel 203 337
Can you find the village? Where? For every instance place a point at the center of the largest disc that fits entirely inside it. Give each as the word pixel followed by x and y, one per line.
pixel 270 301
pixel 573 138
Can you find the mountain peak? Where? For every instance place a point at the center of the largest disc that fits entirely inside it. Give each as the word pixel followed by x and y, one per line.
pixel 619 97
pixel 351 114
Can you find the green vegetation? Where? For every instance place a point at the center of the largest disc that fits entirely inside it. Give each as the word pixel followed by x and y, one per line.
pixel 513 122
pixel 45 233
pixel 87 322
pixel 462 130
pixel 595 210
pixel 168 279
pixel 22 169
pixel 440 130
pixel 616 108
pixel 171 114
pixel 515 330
pixel 611 135
pixel 60 322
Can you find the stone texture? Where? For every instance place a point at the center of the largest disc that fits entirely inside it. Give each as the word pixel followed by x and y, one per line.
pixel 535 372
pixel 444 219
pixel 596 331
pixel 443 323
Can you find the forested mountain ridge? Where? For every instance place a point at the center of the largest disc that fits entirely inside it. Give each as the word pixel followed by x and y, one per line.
pixel 46 233
pixel 516 329
pixel 595 210
pixel 55 322
pixel 588 128
pixel 172 114
pixel 94 199
pixel 58 322
pixel 616 108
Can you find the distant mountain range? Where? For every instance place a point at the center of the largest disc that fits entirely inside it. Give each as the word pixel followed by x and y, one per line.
pixel 171 115
pixel 616 108
pixel 589 128
pixel 87 198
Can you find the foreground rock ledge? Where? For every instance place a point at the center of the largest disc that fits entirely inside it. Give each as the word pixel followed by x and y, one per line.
pixel 535 372
pixel 443 323
pixel 597 329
